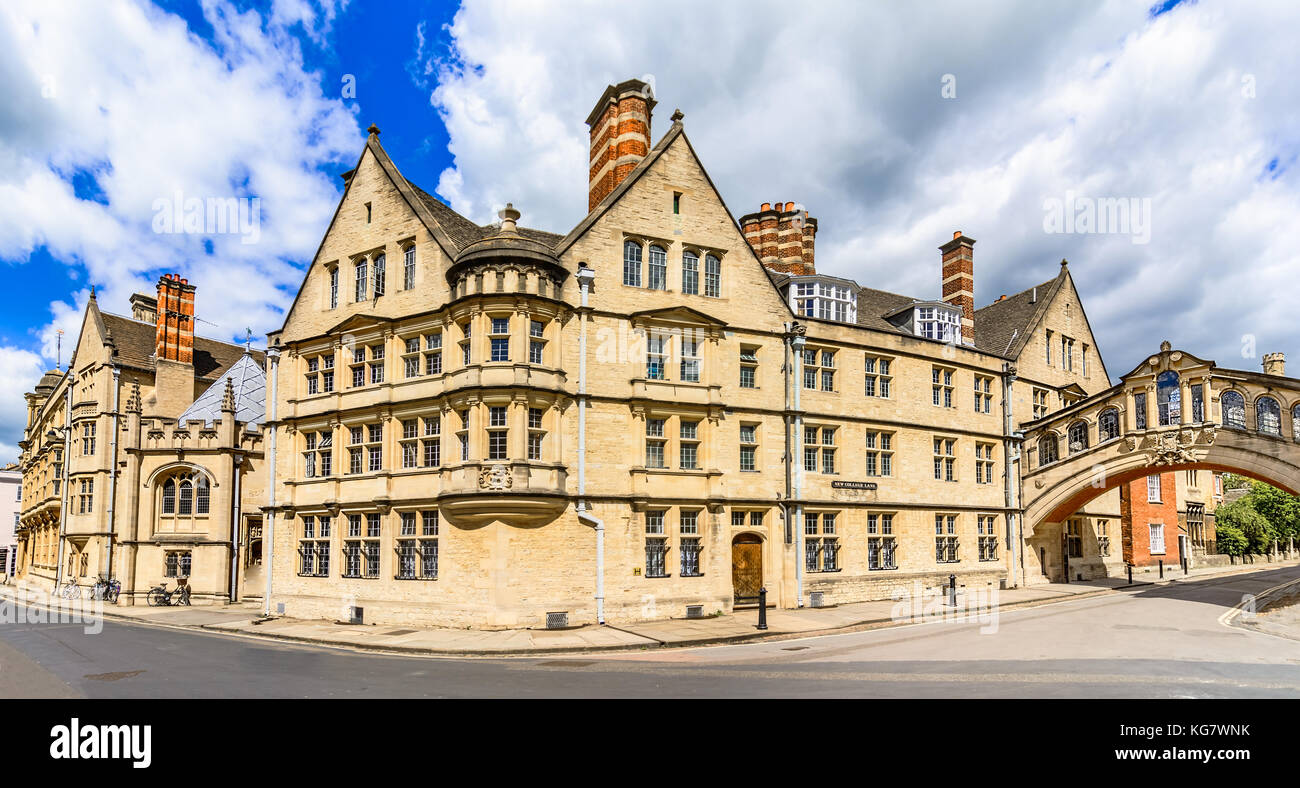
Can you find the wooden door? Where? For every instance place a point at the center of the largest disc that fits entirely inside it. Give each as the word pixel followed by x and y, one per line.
pixel 746 567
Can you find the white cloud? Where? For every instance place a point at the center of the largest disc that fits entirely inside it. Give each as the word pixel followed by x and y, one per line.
pixel 19 372
pixel 839 107
pixel 123 95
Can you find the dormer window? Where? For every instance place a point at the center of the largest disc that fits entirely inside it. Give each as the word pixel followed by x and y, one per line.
pixel 825 300
pixel 934 322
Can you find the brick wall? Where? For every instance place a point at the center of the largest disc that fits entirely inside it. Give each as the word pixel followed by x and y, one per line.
pixel 1137 513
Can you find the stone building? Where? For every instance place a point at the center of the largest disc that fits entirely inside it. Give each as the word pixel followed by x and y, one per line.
pixel 11 501
pixel 655 414
pixel 144 456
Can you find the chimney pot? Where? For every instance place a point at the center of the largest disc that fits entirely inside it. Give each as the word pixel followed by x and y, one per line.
pixel 956 233
pixel 767 206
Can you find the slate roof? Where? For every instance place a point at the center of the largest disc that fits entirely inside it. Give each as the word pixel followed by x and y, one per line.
pixel 1003 326
pixel 136 342
pixel 463 232
pixel 248 382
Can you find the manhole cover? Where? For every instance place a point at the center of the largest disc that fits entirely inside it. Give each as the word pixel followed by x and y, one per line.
pixel 121 674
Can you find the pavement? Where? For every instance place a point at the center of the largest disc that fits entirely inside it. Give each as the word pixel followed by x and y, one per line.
pixel 741 627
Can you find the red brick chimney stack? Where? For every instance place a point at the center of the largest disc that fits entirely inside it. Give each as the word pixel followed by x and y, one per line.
pixel 620 136
pixel 175 336
pixel 782 236
pixel 959 281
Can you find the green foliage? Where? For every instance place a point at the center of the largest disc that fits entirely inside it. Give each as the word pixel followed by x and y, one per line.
pixel 1233 481
pixel 1248 524
pixel 1281 509
pixel 1230 541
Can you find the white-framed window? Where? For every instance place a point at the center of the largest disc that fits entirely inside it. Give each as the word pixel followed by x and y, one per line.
pixel 1157 531
pixel 631 263
pixel 748 367
pixel 934 322
pixel 536 341
pixel 536 433
pixel 656 356
pixel 1153 489
pixel 941 387
pixel 409 443
pixel 748 447
pixel 431 444
pixel 819 449
pixel 658 269
pixel 380 274
pixel 881 546
pixel 433 353
pixel 690 273
pixel 408 268
pixel 983 463
pixel 334 287
pixel 498 433
pixel 689 444
pixel 690 357
pixel 983 394
pixel 411 357
pixel 880 453
pixel 819 369
pixel 1041 406
pixel 689 542
pixel 362 281
pixel 712 276
pixel 945 459
pixel 654 443
pixel 825 300
pixel 988 539
pixel 946 541
pixel 877 376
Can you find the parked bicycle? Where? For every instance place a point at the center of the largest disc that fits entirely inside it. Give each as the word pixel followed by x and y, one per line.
pixel 70 590
pixel 106 589
pixel 159 596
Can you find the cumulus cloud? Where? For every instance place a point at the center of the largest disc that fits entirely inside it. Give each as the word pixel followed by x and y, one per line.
pixel 117 113
pixel 19 371
pixel 1195 109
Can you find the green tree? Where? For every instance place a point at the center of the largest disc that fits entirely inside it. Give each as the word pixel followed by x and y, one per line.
pixel 1240 519
pixel 1230 540
pixel 1281 509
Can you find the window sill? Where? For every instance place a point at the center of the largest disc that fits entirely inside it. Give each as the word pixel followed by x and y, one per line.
pixel 656 577
pixel 435 577
pixel 882 569
pixel 698 574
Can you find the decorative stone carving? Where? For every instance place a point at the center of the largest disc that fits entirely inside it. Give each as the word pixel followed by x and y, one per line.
pixel 495 477
pixel 1170 450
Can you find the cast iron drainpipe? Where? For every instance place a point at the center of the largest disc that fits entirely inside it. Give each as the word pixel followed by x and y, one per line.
pixel 585 276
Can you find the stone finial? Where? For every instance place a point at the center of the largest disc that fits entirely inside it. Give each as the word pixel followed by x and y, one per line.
pixel 1065 263
pixel 677 116
pixel 1165 347
pixel 133 404
pixel 509 217
pixel 373 130
pixel 228 398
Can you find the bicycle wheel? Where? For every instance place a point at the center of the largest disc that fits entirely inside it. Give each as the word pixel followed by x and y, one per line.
pixel 156 597
pixel 114 590
pixel 185 596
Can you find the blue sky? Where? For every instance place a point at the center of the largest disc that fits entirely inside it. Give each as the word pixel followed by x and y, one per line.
pixel 894 125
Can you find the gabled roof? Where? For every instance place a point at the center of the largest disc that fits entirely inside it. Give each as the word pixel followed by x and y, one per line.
pixel 135 341
pixel 1003 327
pixel 680 314
pixel 247 382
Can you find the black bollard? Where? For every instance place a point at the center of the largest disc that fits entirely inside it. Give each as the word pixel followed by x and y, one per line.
pixel 762 608
pixel 1130 574
pixel 952 590
pixel 1162 569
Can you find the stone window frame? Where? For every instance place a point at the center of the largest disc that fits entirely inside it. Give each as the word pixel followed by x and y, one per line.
pixel 878 375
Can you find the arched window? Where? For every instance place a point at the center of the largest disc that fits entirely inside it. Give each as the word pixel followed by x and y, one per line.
pixel 1168 399
pixel 1078 436
pixel 360 294
pixel 658 269
pixel 201 497
pixel 169 497
pixel 690 273
pixel 1268 416
pixel 1047 450
pixel 1108 425
pixel 379 275
pixel 632 263
pixel 1295 420
pixel 712 276
pixel 1234 410
pixel 187 498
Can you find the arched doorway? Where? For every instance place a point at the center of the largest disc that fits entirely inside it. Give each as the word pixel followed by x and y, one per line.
pixel 746 567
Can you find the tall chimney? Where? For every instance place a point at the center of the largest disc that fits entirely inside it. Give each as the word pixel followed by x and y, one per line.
pixel 1275 364
pixel 174 340
pixel 782 237
pixel 958 280
pixel 620 136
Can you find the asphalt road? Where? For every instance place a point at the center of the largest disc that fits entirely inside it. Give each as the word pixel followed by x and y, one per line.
pixel 1157 642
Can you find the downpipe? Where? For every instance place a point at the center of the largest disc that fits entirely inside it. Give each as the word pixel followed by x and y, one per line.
pixel 585 277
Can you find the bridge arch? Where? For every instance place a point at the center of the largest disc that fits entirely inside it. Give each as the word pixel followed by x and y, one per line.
pixel 1173 412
